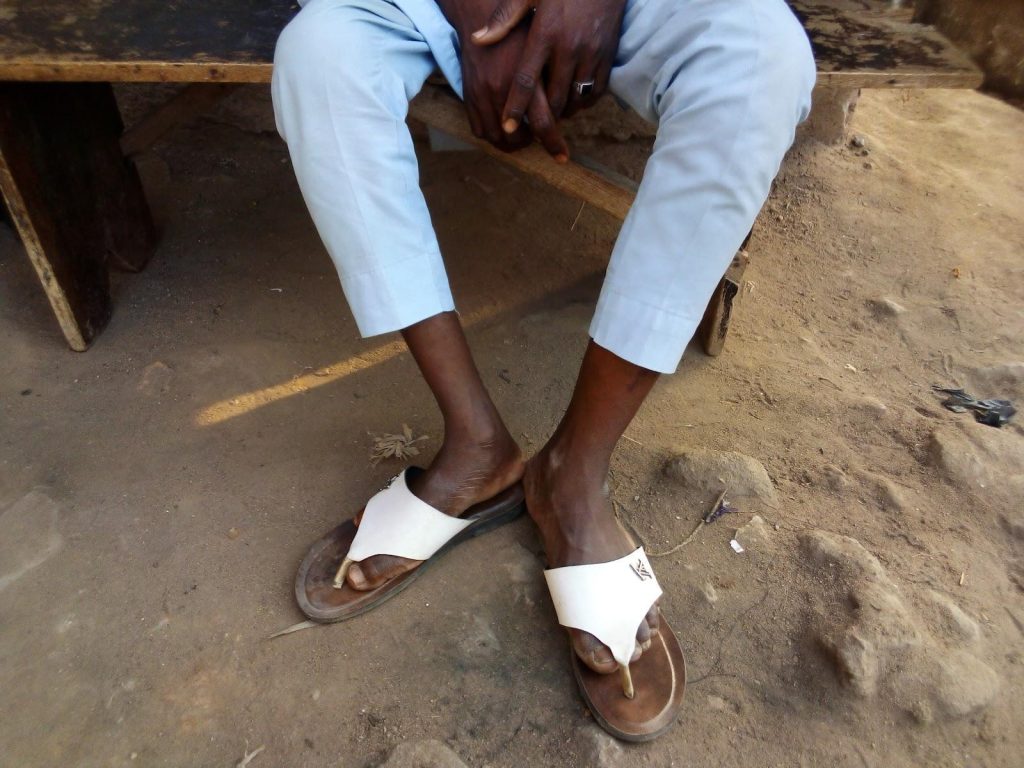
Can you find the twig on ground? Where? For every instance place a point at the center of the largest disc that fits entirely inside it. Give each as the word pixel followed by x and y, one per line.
pixel 248 757
pixel 710 517
pixel 578 214
pixel 295 628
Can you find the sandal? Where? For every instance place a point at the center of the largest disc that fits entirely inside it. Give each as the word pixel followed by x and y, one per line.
pixel 395 522
pixel 609 600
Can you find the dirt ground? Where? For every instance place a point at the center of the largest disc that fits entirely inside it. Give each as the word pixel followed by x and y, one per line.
pixel 158 492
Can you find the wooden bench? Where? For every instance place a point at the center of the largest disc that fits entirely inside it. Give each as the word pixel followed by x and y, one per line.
pixel 76 199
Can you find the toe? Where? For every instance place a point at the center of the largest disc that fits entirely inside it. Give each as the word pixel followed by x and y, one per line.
pixel 593 652
pixel 375 571
pixel 643 636
pixel 653 620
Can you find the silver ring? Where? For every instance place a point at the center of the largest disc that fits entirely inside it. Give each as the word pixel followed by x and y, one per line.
pixel 584 88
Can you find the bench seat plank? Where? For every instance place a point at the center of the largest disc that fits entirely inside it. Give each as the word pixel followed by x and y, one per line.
pixel 869 44
pixel 857 43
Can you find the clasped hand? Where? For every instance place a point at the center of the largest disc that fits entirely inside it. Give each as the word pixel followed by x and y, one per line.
pixel 522 66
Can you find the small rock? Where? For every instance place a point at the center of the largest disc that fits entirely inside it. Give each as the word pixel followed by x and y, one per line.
pixel 858 660
pixel 986 461
pixel 423 754
pixel 834 478
pixel 922 712
pixel 600 750
pixel 719 704
pixel 966 684
pixel 886 307
pixel 858 141
pixel 711 471
pixel 827 549
pixel 962 626
pixel 755 535
pixel 890 496
pixel 872 406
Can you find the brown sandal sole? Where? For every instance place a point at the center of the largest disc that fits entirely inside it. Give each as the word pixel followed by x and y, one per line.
pixel 659 679
pixel 314 583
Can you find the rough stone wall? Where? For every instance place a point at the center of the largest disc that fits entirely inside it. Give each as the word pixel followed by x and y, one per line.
pixel 991 31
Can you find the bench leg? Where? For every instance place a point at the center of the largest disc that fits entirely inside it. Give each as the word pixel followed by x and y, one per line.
pixel 76 201
pixel 714 327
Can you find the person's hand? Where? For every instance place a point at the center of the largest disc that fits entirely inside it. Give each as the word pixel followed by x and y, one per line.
pixel 486 78
pixel 576 40
pixel 487 74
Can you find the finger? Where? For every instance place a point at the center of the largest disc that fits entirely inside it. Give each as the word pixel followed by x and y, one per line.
pixel 524 84
pixel 504 19
pixel 545 128
pixel 600 76
pixel 560 72
pixel 585 73
pixel 489 120
pixel 475 124
pixel 513 142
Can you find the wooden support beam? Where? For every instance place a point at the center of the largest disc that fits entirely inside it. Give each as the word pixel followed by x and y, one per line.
pixel 188 103
pixel 75 200
pixel 714 327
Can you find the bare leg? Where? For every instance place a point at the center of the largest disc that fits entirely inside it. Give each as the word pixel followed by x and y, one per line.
pixel 478 457
pixel 565 481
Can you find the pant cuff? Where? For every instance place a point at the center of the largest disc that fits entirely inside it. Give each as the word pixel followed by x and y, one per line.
pixel 399 295
pixel 640 333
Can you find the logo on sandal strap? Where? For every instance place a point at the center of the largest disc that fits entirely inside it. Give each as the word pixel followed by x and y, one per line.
pixel 641 570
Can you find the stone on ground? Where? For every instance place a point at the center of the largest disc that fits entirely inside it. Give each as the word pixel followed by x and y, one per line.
pixel 600 750
pixel 755 535
pixel 881 649
pixel 987 461
pixel 886 307
pixel 833 478
pixel 712 471
pixel 965 684
pixel 954 618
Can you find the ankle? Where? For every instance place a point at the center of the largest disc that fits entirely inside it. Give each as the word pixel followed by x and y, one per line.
pixel 566 461
pixel 478 435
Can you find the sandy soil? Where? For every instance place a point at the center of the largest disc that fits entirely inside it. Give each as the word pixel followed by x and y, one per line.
pixel 157 493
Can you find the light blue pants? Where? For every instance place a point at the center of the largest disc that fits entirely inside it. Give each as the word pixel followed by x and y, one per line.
pixel 725 81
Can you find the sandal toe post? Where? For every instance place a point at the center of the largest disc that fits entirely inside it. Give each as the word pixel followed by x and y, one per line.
pixel 609 600
pixel 394 522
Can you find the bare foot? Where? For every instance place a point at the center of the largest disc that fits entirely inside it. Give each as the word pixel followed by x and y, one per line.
pixel 578 527
pixel 463 473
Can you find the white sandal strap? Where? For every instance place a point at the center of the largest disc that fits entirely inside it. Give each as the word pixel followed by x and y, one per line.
pixel 608 600
pixel 398 523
